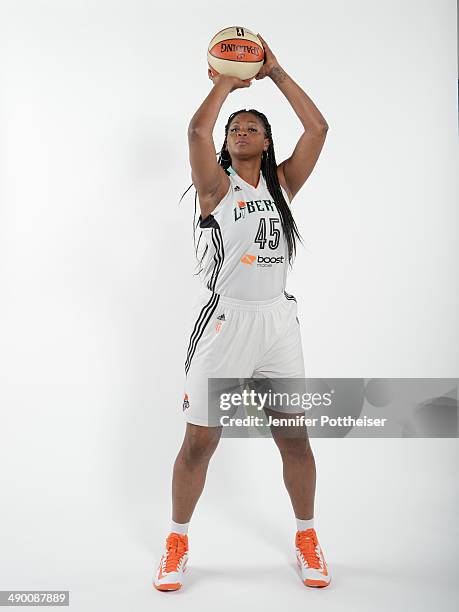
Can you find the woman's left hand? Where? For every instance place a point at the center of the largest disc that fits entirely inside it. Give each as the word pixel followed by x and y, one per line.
pixel 269 62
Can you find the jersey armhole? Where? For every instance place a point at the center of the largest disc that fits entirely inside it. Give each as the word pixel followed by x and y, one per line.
pixel 223 200
pixel 217 208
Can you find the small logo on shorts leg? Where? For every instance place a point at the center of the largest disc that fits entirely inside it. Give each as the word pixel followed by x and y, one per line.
pixel 219 324
pixel 186 403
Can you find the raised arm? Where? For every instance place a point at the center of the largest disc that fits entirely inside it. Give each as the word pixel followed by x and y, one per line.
pixel 209 178
pixel 294 171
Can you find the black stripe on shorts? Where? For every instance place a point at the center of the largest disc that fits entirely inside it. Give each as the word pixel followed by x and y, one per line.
pixel 289 296
pixel 203 319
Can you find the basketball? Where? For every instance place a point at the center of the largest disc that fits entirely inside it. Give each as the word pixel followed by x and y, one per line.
pixel 235 51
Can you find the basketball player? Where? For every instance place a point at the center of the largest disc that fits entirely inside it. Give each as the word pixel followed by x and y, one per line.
pixel 245 323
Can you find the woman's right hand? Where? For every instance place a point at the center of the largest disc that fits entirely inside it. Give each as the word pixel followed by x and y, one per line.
pixel 231 81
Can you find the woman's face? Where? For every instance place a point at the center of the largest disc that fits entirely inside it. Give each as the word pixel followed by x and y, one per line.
pixel 246 137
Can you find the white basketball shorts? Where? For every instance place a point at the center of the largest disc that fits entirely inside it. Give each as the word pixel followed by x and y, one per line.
pixel 239 339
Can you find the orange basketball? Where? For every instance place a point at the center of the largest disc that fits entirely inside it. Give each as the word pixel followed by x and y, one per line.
pixel 235 51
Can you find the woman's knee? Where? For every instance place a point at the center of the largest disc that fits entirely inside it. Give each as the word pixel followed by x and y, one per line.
pixel 200 443
pixel 294 447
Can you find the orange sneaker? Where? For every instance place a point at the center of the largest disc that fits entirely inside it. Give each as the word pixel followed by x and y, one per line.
pixel 169 576
pixel 310 559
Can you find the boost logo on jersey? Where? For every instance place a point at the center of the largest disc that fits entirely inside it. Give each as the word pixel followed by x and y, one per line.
pixel 263 262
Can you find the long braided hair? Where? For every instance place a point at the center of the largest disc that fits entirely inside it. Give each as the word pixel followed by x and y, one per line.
pixel 269 171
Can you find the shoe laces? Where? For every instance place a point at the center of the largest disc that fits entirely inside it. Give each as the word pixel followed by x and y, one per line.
pixel 306 542
pixel 176 547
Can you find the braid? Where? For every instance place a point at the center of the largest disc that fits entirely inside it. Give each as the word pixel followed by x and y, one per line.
pixel 195 225
pixel 269 171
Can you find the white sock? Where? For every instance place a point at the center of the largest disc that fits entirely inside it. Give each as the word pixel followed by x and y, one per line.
pixel 180 527
pixel 302 525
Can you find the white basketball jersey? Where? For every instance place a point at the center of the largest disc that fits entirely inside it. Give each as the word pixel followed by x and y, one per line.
pixel 244 247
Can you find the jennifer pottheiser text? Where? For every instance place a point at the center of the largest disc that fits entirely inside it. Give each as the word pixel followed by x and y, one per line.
pixel 301 420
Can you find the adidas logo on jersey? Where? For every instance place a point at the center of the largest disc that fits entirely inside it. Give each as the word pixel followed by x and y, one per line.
pixel 237 188
pixel 222 317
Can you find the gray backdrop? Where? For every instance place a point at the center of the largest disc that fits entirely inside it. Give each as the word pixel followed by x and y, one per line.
pixel 96 267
